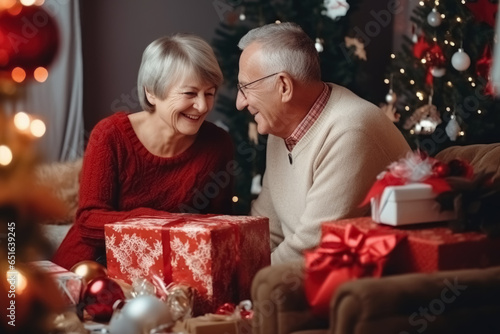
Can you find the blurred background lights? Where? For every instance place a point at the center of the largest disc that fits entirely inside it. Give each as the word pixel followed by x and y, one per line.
pixel 18 74
pixel 21 281
pixel 235 199
pixel 28 2
pixel 41 74
pixel 22 121
pixel 37 128
pixel 5 155
pixel 5 4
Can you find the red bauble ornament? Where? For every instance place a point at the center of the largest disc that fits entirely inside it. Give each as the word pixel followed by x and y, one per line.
pixel 484 10
pixel 89 270
pixel 99 296
pixel 434 56
pixel 29 38
pixel 440 169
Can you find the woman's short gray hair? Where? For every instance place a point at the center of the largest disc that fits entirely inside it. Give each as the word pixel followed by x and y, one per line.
pixel 285 47
pixel 169 58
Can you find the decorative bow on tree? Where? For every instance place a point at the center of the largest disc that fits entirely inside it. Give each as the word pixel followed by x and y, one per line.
pixel 339 259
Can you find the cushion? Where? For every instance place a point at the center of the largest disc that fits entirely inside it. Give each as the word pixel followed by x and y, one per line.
pixel 482 157
pixel 62 178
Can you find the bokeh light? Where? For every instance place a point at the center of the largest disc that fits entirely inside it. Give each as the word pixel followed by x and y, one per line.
pixel 37 128
pixel 22 121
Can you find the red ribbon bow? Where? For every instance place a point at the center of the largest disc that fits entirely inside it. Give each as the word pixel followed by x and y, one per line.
pixel 340 259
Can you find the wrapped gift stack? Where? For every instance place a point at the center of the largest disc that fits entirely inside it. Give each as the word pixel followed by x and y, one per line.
pixel 426 216
pixel 428 248
pixel 215 255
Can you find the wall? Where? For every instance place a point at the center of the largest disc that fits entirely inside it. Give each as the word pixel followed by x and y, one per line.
pixel 115 32
pixel 114 35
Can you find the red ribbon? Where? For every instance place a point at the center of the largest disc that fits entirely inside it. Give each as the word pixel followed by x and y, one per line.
pixel 438 185
pixel 340 259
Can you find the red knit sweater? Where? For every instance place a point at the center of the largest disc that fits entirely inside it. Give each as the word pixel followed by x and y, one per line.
pixel 120 178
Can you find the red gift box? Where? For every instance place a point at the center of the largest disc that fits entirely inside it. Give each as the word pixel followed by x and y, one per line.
pixel 69 283
pixel 430 247
pixel 215 255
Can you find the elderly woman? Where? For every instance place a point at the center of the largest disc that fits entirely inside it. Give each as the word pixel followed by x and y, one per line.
pixel 164 158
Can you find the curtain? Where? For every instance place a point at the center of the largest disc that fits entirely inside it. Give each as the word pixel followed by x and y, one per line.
pixel 58 101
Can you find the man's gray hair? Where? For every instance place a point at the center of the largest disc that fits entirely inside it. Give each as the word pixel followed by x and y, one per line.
pixel 285 47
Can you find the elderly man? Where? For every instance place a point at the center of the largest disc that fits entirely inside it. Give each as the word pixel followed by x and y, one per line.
pixel 325 145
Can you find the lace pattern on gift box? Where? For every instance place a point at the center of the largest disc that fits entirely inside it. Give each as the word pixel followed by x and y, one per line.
pixel 198 259
pixel 134 246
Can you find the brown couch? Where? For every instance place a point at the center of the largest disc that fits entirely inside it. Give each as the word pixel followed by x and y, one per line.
pixel 461 301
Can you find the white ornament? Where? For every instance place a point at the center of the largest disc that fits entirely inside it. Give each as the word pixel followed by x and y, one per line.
pixel 318 45
pixel 140 315
pixel 460 60
pixel 390 97
pixel 438 72
pixel 414 38
pixel 452 128
pixel 434 18
pixel 426 126
pixel 335 8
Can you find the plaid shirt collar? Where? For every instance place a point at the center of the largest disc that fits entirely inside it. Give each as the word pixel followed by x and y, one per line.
pixel 309 120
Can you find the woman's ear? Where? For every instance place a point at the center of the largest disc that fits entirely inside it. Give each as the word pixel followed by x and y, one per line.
pixel 151 98
pixel 286 86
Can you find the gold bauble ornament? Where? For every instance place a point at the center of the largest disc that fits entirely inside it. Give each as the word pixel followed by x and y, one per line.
pixel 89 270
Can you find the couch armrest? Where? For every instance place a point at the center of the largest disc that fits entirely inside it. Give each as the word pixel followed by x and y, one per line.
pixel 462 301
pixel 279 302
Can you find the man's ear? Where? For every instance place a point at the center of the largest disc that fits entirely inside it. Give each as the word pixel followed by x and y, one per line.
pixel 285 86
pixel 151 98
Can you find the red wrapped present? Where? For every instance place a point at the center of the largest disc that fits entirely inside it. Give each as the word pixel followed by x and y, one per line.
pixel 342 257
pixel 430 247
pixel 69 283
pixel 215 255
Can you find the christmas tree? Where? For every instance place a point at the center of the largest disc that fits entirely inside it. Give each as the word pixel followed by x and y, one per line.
pixel 326 22
pixel 440 81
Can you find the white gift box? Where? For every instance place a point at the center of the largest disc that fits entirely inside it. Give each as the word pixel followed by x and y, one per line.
pixel 412 203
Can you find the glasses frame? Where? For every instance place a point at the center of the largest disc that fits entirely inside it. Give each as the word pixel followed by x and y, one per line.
pixel 240 87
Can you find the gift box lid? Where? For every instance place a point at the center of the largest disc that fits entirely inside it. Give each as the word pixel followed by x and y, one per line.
pixel 407 192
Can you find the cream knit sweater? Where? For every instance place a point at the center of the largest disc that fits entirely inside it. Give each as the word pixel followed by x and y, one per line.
pixel 333 166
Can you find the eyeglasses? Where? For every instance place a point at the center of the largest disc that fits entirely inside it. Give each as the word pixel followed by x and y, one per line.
pixel 240 87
